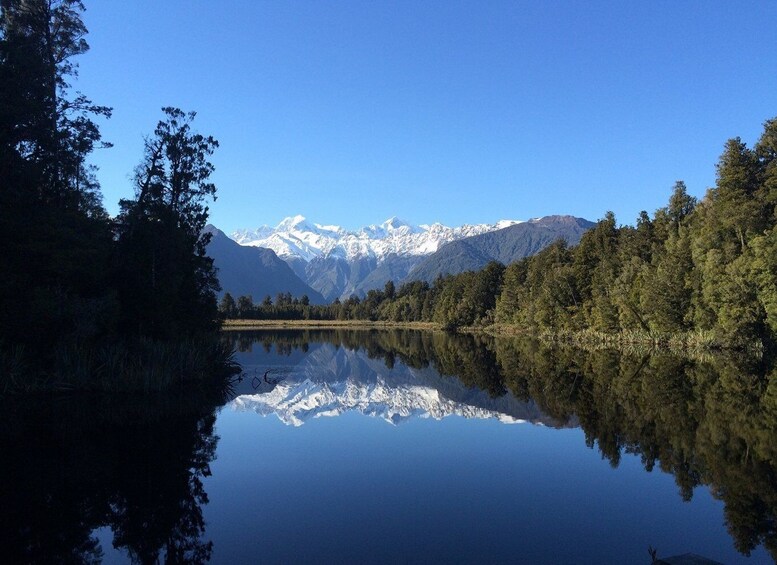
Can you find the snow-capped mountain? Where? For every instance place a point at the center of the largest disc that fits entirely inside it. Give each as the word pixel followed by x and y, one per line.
pixel 338 263
pixel 297 238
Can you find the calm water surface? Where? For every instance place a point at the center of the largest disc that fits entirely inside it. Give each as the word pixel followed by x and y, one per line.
pixel 405 447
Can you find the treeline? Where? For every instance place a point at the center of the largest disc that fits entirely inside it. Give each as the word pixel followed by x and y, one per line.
pixel 704 271
pixel 416 301
pixel 286 307
pixel 88 300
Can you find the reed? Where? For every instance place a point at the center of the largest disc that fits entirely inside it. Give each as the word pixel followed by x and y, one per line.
pixel 142 365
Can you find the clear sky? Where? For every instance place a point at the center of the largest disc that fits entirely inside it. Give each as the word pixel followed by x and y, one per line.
pixel 457 112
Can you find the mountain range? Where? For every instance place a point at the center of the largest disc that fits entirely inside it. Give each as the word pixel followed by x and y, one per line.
pixel 330 262
pixel 297 238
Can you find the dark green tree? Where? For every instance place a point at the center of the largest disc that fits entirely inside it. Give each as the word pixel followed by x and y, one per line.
pixel 389 291
pixel 227 306
pixel 738 204
pixel 245 307
pixel 511 298
pixel 666 291
pixel 46 132
pixel 681 205
pixel 596 267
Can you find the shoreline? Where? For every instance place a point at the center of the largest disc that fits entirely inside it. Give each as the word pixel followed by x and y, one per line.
pixel 233 325
pixel 684 342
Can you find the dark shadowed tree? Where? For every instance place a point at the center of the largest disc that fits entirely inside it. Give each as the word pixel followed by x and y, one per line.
pixel 56 240
pixel 46 132
pixel 245 306
pixel 389 291
pixel 227 306
pixel 167 283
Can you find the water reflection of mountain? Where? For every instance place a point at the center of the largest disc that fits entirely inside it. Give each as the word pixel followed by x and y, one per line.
pixel 331 380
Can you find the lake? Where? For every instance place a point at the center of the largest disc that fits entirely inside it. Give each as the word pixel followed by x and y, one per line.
pixel 396 446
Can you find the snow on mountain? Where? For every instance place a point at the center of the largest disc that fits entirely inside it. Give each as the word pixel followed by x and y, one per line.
pixel 295 237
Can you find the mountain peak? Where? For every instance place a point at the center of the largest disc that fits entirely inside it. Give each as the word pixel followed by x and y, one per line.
pixel 338 263
pixel 561 219
pixel 210 228
pixel 394 223
pixel 291 222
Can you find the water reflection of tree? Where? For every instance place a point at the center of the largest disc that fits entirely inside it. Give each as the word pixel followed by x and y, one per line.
pixel 707 421
pixel 74 465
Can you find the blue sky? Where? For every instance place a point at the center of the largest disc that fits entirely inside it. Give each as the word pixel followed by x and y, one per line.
pixel 458 112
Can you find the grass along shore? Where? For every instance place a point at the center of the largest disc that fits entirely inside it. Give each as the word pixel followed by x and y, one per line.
pixel 229 325
pixel 684 342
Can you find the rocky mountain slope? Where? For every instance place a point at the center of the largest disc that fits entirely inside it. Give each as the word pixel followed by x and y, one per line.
pixel 296 237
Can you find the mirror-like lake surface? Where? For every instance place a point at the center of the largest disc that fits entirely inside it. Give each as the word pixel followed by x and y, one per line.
pixel 396 446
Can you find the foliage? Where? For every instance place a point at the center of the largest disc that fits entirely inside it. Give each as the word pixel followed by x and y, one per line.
pixel 164 277
pixel 74 280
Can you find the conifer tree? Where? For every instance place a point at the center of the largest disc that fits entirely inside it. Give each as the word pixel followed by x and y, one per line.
pixel 227 306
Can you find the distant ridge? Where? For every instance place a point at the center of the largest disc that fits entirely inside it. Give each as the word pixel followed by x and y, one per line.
pixel 506 246
pixel 254 271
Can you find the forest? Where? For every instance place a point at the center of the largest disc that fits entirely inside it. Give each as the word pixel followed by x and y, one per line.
pixel 695 273
pixel 88 300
